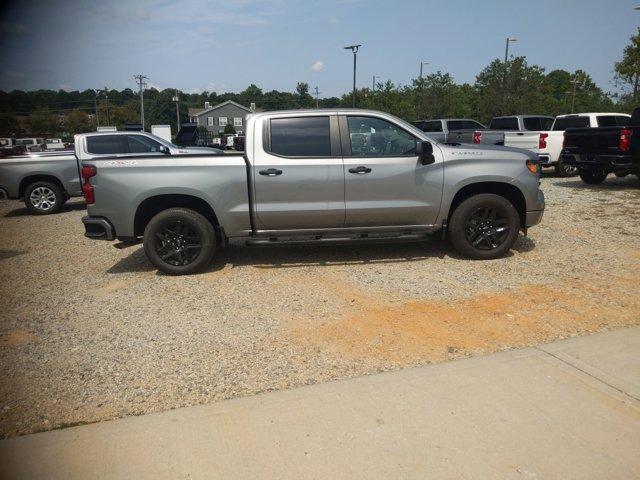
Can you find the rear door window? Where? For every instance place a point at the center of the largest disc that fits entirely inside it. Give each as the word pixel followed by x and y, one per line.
pixel 506 123
pixel 455 125
pixel 606 120
pixel 471 125
pixel 301 136
pixel 106 145
pixel 563 123
pixel 532 123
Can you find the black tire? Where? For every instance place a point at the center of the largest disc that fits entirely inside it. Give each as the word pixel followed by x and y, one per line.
pixel 563 170
pixel 593 176
pixel 484 226
pixel 44 198
pixel 170 241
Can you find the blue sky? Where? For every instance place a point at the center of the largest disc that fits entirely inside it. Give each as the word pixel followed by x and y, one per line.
pixel 224 45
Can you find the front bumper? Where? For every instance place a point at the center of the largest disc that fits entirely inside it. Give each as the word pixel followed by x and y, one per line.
pixel 534 217
pixel 98 228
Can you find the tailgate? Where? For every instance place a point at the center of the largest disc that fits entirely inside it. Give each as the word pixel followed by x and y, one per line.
pixel 585 140
pixel 527 140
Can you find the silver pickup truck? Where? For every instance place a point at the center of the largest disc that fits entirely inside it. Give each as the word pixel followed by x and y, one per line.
pixel 46 180
pixel 498 126
pixel 315 177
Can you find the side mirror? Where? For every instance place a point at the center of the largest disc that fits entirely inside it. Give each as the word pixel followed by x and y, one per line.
pixel 425 152
pixel 164 150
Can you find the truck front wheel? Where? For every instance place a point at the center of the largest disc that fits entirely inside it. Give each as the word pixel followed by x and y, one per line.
pixel 593 176
pixel 179 241
pixel 484 226
pixel 44 198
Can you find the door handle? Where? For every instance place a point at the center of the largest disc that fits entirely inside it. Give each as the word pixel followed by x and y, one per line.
pixel 270 172
pixel 360 170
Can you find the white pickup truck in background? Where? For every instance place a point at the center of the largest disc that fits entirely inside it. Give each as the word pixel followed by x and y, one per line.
pixel 547 144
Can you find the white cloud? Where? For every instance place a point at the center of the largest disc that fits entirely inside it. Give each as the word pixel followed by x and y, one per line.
pixel 318 66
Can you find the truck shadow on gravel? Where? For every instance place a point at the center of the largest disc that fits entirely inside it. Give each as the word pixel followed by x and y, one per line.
pixel 67 207
pixel 237 255
pixel 611 184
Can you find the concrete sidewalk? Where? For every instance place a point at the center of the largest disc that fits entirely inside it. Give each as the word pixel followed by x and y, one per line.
pixel 569 409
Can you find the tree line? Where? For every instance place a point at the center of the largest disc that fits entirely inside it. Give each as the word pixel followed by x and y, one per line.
pixel 499 89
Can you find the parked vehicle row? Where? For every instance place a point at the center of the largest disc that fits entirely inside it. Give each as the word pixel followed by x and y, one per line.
pixel 597 152
pixel 46 180
pixel 310 177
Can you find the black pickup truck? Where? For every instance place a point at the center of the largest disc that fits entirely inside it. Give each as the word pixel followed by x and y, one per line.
pixel 597 152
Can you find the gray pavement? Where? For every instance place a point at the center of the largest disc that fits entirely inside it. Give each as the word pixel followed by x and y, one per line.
pixel 569 409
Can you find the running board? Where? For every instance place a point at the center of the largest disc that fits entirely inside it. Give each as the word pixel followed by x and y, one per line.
pixel 387 237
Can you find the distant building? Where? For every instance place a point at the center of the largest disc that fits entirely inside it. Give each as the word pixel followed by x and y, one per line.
pixel 216 118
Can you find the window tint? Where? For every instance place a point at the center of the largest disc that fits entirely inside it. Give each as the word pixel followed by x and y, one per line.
pixel 545 123
pixel 622 120
pixel 505 123
pixel 606 120
pixel 141 144
pixel 454 125
pixel 531 123
pixel 301 136
pixel 376 137
pixel 105 145
pixel 471 125
pixel 563 123
pixel 432 126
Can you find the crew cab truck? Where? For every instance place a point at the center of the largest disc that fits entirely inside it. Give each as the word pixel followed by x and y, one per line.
pixel 597 152
pixel 548 144
pixel 450 130
pixel 307 177
pixel 499 126
pixel 46 180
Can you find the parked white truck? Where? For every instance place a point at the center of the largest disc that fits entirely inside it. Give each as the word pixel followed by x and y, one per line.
pixel 547 144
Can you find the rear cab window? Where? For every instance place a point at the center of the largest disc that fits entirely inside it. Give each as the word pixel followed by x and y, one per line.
pixel 300 136
pixel 504 123
pixel 106 145
pixel 577 121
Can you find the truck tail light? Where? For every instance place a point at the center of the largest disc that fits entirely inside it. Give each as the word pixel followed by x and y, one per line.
pixel 542 141
pixel 624 142
pixel 477 136
pixel 87 172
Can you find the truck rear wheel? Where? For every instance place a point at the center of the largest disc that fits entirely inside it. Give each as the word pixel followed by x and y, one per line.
pixel 563 170
pixel 593 176
pixel 44 198
pixel 179 241
pixel 484 226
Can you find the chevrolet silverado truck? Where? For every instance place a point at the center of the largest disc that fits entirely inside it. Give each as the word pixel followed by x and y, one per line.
pixel 548 144
pixel 46 180
pixel 450 130
pixel 307 178
pixel 597 152
pixel 500 126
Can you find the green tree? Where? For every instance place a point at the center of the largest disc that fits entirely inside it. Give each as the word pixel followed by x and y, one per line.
pixel 8 125
pixel 229 129
pixel 627 70
pixel 77 121
pixel 42 122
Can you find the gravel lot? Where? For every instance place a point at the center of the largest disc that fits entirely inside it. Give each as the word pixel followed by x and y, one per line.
pixel 90 333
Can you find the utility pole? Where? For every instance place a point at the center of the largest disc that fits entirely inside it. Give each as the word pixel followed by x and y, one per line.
pixel 95 104
pixel 317 93
pixel 354 49
pixel 575 82
pixel 141 84
pixel 176 99
pixel 373 84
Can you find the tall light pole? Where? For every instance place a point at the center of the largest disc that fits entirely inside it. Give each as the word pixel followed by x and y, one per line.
pixel 177 100
pixel 506 59
pixel 421 64
pixel 317 96
pixel 575 82
pixel 373 83
pixel 141 84
pixel 354 49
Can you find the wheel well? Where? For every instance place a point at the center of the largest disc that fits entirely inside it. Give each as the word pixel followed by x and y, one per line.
pixel 510 192
pixel 154 205
pixel 26 181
